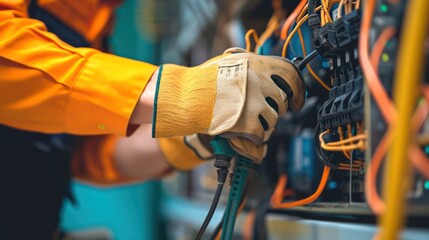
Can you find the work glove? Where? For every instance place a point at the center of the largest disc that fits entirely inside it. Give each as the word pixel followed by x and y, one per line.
pixel 237 94
pixel 200 144
pixel 186 153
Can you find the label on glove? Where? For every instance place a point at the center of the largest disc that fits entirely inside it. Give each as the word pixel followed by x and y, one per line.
pixel 233 71
pixel 230 95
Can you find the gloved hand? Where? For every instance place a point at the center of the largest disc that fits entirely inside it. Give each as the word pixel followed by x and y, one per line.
pixel 200 144
pixel 186 153
pixel 235 95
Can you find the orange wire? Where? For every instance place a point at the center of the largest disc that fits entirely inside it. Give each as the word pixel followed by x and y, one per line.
pixel 373 199
pixel 375 86
pixel 288 193
pixel 419 160
pixel 322 18
pixel 340 133
pixel 379 45
pixel 348 169
pixel 359 145
pixel 349 6
pixel 360 162
pixel 272 25
pixel 349 140
pixel 339 9
pixel 349 130
pixel 357 6
pixel 289 38
pixel 288 23
pixel 348 165
pixel 331 146
pixel 276 199
pixel 349 135
pixel 325 12
pixel 417 157
pixel 385 105
pixel 247 38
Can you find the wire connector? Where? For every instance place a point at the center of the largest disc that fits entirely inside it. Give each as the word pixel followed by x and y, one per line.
pixel 313 21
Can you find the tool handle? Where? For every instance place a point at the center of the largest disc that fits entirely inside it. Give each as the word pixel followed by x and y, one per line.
pixel 221 146
pixel 241 171
pixel 224 154
pixel 222 151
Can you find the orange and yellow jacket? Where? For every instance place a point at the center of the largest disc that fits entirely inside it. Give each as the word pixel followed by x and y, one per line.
pixel 51 87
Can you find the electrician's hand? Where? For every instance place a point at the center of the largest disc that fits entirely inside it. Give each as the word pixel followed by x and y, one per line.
pixel 237 94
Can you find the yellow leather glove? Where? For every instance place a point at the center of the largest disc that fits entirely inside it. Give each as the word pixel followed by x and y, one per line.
pixel 235 95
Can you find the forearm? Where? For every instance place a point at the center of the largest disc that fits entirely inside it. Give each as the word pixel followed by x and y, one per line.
pixel 111 160
pixel 139 155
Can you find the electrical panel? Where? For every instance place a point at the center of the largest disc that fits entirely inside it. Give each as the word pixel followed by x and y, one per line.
pixel 328 160
pixel 341 127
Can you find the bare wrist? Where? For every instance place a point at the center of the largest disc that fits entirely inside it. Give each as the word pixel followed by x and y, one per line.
pixel 144 109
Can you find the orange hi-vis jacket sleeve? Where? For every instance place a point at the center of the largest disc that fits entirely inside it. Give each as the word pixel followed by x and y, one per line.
pixel 48 86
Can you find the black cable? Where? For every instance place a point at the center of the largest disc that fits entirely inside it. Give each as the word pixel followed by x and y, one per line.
pixel 313 18
pixel 218 228
pixel 211 211
pixel 222 174
pixel 311 7
pixel 307 59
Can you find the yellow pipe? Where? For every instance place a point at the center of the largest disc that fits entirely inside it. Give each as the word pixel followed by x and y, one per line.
pixel 408 76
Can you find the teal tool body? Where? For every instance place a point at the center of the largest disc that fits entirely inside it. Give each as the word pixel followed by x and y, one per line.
pixel 224 154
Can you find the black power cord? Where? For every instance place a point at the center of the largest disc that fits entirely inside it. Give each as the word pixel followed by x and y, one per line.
pixel 311 6
pixel 222 163
pixel 211 211
pixel 313 18
pixel 217 229
pixel 302 63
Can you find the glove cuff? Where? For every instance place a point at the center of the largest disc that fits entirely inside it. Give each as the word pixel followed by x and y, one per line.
pixel 184 101
pixel 204 99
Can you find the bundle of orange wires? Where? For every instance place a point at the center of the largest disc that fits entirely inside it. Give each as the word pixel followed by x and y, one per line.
pixel 300 19
pixel 369 66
